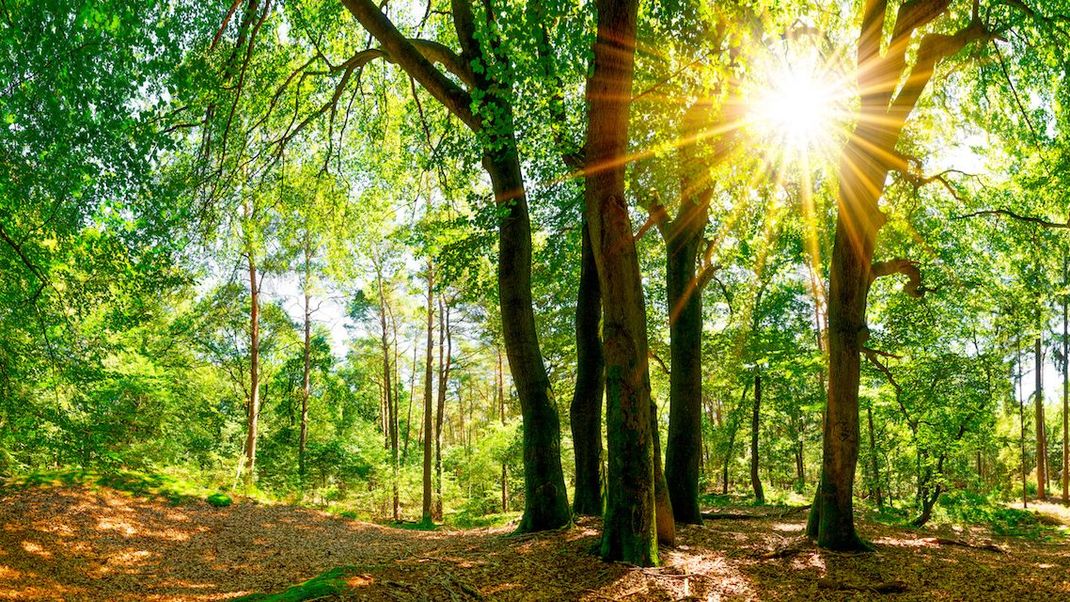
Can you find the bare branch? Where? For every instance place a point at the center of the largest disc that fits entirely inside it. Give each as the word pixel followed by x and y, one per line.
pixel 1022 218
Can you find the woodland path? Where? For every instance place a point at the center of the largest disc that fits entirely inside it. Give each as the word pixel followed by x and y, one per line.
pixel 75 543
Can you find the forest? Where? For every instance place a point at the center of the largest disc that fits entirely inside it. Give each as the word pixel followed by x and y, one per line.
pixel 534 300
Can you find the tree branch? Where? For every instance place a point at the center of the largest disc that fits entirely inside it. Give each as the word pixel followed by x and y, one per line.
pixel 405 54
pixel 1022 218
pixel 906 267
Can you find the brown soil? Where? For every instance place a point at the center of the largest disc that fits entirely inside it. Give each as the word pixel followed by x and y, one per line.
pixel 73 543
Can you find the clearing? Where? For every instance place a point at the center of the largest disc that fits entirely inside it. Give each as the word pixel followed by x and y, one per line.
pixel 77 543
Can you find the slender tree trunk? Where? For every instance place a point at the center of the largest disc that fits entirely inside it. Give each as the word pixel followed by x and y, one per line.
pixel 629 528
pixel 388 394
pixel 586 410
pixel 1021 419
pixel 306 389
pixel 734 426
pixel 1066 381
pixel 428 428
pixel 501 410
pixel 254 374
pixel 755 480
pixel 412 393
pixel 1042 435
pixel 445 352
pixel 873 460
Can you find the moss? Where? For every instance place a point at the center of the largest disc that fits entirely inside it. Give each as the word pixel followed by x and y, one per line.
pixel 334 582
pixel 219 500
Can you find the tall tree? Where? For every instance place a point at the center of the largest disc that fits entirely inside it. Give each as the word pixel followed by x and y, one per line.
pixel 486 73
pixel 864 164
pixel 1038 406
pixel 630 531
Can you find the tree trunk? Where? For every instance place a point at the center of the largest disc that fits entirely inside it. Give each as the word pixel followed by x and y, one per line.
pixel 306 389
pixel 412 393
pixel 428 429
pixel 1066 382
pixel 254 374
pixel 732 424
pixel 1042 435
pixel 629 528
pixel 586 410
pixel 684 443
pixel 1021 420
pixel 831 520
pixel 873 460
pixel 755 481
pixel 501 410
pixel 388 394
pixel 445 352
pixel 545 498
pixel 665 523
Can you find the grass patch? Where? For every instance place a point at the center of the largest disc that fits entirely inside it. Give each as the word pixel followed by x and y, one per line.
pixel 464 520
pixel 140 484
pixel 335 582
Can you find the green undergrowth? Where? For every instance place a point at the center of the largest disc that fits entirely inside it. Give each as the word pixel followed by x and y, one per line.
pixel 141 484
pixel 335 582
pixel 963 508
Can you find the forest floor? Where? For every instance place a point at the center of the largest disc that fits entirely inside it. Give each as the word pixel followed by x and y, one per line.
pixel 79 543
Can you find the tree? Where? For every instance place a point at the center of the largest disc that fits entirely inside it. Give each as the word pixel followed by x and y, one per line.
pixel 864 163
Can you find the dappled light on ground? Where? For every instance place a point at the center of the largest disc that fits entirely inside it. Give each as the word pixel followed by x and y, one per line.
pixel 73 543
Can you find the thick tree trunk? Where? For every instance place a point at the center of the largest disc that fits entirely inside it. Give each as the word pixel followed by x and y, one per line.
pixel 1042 435
pixel 862 176
pixel 254 374
pixel 586 410
pixel 629 528
pixel 428 429
pixel 306 389
pixel 684 444
pixel 545 498
pixel 755 480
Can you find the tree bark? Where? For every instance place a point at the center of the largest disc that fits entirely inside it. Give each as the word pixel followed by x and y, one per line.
pixel 1042 435
pixel 755 480
pixel 629 528
pixel 586 409
pixel 429 433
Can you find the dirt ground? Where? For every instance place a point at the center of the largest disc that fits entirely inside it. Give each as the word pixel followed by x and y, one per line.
pixel 73 543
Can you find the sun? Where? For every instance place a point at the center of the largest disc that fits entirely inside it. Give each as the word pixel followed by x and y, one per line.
pixel 797 107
